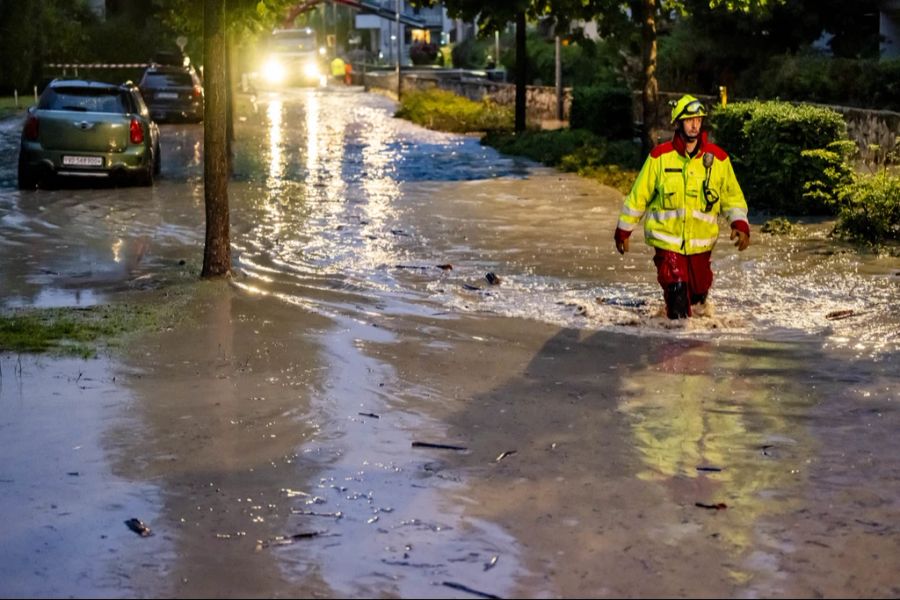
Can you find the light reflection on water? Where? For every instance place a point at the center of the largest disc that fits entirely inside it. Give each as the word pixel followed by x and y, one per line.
pixel 369 202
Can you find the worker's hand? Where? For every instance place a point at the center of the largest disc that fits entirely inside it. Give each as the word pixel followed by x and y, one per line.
pixel 743 240
pixel 622 246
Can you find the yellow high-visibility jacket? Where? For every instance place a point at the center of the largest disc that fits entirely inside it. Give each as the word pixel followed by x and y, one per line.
pixel 669 193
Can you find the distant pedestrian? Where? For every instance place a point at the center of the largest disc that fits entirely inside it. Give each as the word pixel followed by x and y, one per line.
pixel 338 68
pixel 682 188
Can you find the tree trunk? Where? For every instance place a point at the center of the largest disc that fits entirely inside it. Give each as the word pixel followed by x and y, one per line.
pixel 521 71
pixel 229 101
pixel 217 252
pixel 650 92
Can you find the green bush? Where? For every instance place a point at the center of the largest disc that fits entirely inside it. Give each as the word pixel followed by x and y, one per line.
pixel 613 163
pixel 788 159
pixel 421 53
pixel 870 210
pixel 603 110
pixel 445 111
pixel 829 80
pixel 471 53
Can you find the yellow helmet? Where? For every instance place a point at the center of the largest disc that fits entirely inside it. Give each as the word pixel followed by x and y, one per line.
pixel 687 107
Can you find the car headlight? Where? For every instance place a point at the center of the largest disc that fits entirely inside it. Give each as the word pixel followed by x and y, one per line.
pixel 311 70
pixel 273 71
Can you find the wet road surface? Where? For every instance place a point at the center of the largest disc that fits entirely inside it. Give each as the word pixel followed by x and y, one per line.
pixel 268 441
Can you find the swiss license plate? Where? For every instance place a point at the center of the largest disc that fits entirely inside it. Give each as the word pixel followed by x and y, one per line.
pixel 167 96
pixel 82 161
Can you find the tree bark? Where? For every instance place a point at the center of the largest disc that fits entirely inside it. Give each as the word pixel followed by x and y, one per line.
pixel 650 92
pixel 229 100
pixel 217 251
pixel 521 71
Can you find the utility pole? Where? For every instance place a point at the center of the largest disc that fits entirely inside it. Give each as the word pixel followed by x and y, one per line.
pixel 399 49
pixel 559 87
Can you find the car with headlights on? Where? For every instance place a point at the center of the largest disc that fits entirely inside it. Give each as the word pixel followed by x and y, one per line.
pixel 292 57
pixel 173 93
pixel 89 130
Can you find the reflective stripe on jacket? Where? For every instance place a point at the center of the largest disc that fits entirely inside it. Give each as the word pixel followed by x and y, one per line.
pixel 668 193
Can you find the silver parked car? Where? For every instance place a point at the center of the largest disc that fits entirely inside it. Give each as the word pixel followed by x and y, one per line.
pixel 88 129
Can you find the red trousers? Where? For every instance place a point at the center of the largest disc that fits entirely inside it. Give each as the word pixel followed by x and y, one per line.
pixel 693 270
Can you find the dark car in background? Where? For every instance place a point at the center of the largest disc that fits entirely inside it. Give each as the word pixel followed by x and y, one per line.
pixel 88 129
pixel 173 93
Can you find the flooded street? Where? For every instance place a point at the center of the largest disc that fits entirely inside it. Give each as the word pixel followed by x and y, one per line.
pixel 360 412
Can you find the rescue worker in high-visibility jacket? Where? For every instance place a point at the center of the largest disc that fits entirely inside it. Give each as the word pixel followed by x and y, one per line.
pixel 683 187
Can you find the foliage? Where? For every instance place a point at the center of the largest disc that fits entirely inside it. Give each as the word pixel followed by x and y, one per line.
pixel 603 110
pixel 778 226
pixel 69 331
pixel 613 163
pixel 471 53
pixel 816 78
pixel 35 33
pixel 445 111
pixel 422 53
pixel 8 105
pixel 870 210
pixel 785 157
pixel 712 46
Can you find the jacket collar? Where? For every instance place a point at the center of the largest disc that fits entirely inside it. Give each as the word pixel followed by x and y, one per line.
pixel 679 142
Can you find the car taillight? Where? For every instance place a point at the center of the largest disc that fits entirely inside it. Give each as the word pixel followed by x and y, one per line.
pixel 31 128
pixel 137 132
pixel 198 91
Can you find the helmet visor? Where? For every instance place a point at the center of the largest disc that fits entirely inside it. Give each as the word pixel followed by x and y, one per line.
pixel 690 109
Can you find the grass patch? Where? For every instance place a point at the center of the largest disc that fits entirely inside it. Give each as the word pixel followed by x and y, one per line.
pixel 612 163
pixel 8 106
pixel 445 111
pixel 85 331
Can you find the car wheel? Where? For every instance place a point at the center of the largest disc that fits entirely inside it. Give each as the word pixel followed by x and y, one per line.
pixel 27 176
pixel 145 177
pixel 157 162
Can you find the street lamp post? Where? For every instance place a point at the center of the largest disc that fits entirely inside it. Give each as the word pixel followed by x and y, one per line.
pixel 399 48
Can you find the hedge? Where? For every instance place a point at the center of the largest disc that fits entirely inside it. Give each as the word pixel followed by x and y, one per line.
pixel 789 159
pixel 603 110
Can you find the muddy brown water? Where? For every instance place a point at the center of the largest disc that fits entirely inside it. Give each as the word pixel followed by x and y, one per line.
pixel 267 441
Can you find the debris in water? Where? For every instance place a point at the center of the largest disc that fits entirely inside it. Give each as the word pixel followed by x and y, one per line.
pixel 370 415
pixel 710 469
pixel 411 267
pixel 138 526
pixel 473 288
pixel 837 315
pixel 717 506
pixel 623 302
pixel 445 267
pixel 504 455
pixel 310 513
pixel 492 278
pixel 463 588
pixel 438 446
pixel 491 563
pixel 282 540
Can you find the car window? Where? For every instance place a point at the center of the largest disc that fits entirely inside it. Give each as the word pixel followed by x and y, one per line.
pixel 140 104
pixel 102 100
pixel 163 80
